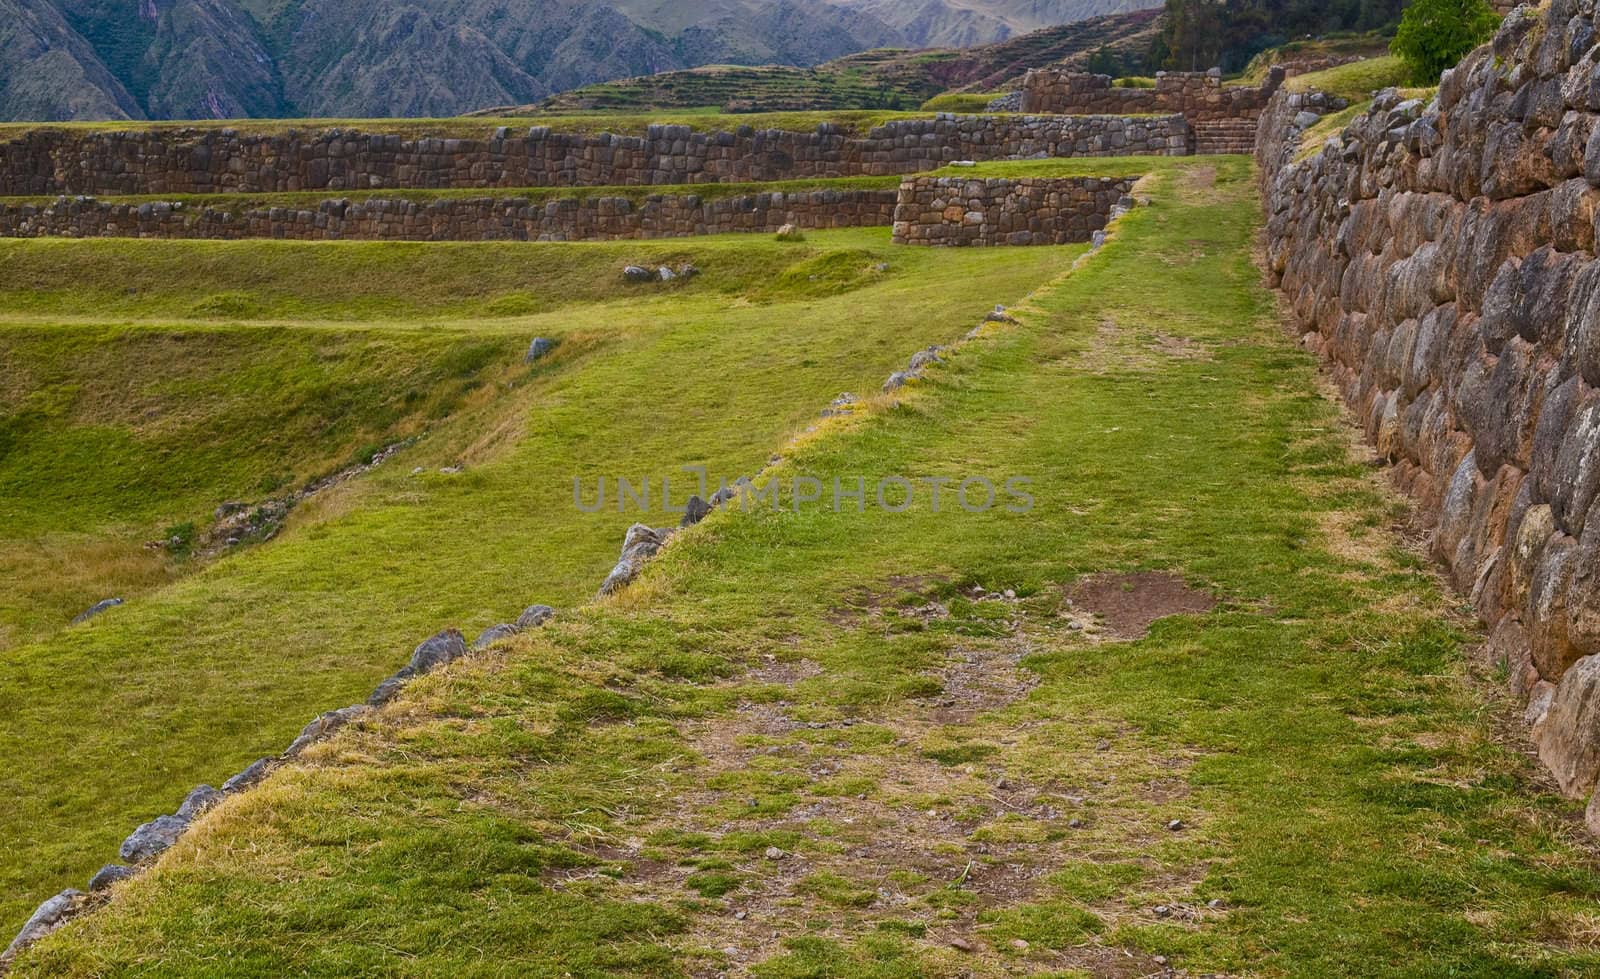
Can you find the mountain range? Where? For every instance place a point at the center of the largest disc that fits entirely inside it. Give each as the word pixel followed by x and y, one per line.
pixel 222 59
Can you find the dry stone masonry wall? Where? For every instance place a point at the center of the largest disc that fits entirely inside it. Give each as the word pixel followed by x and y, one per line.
pixel 1001 211
pixel 1442 258
pixel 202 161
pixel 458 219
pixel 1222 118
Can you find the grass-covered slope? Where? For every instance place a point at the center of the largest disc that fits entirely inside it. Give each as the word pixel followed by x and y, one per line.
pixel 107 724
pixel 826 743
pixel 117 435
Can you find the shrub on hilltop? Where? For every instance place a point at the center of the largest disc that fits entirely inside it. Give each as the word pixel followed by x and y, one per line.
pixel 1435 34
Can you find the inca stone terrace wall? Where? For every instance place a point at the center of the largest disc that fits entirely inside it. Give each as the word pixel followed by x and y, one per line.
pixel 459 219
pixel 202 161
pixel 1442 257
pixel 1221 118
pixel 998 211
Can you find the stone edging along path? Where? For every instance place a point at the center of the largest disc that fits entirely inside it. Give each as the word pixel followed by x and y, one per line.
pixel 641 543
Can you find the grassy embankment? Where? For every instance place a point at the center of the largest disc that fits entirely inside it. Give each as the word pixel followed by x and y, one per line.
pixel 803 745
pixel 244 349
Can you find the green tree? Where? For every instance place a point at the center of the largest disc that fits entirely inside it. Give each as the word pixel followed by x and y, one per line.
pixel 1435 34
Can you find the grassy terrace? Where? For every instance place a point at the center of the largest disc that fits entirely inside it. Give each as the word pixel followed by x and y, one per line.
pixel 209 379
pixel 804 743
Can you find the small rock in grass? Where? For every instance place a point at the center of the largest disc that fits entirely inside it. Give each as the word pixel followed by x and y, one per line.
pixel 790 232
pixel 1019 944
pixel 1162 911
pixel 741 915
pixel 534 616
pixel 962 945
pixel 1075 824
pixel 52 914
pixel 108 875
pixel 438 650
pixel 96 609
pixel 153 838
pixel 1102 745
pixel 250 776
pixel 694 511
pixel 203 797
pixel 898 379
pixel 388 689
pixel 665 274
pixel 773 853
pixel 1214 903
pixel 1159 959
pixel 494 634
pixel 323 725
pixel 638 273
pixel 538 348
pixel 1175 825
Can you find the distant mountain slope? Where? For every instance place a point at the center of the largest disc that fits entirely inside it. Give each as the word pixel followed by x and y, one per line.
pixel 49 71
pixel 964 23
pixel 879 79
pixel 114 59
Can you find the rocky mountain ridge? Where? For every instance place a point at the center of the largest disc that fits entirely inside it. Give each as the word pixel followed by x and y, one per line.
pixel 209 59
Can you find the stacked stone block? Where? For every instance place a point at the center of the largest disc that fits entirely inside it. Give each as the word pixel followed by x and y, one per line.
pixel 1442 257
pixel 1222 118
pixel 459 219
pixel 1001 211
pixel 204 161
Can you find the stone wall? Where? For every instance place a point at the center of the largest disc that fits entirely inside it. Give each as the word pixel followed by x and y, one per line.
pixel 1000 211
pixel 459 219
pixel 1441 256
pixel 1221 117
pixel 201 161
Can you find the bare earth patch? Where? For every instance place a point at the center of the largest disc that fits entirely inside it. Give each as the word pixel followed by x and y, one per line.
pixel 1128 603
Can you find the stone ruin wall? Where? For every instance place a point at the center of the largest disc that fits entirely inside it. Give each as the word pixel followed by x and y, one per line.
pixel 1442 259
pixel 459 219
pixel 1000 211
pixel 1221 117
pixel 205 161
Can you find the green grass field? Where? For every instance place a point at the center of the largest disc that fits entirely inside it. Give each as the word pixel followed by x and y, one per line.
pixel 815 742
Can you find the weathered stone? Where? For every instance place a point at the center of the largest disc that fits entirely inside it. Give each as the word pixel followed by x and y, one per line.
pixel 438 650
pixel 637 273
pixel 898 379
pixel 534 616
pixel 324 725
pixel 200 799
pixel 1569 736
pixel 640 544
pixel 110 874
pixel 151 839
pixel 694 511
pixel 494 634
pixel 390 688
pixel 96 609
pixel 538 349
pixel 51 915
pixel 253 774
